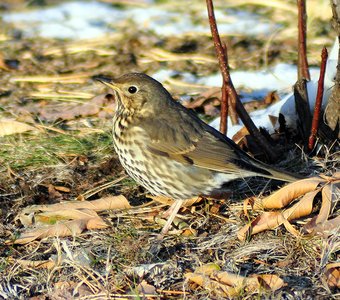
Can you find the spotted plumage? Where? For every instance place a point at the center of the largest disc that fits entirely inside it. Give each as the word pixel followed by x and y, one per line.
pixel 167 149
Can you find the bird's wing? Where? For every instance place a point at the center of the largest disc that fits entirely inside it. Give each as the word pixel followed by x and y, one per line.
pixel 190 141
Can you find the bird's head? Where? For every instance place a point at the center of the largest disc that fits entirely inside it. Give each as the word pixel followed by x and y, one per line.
pixel 137 92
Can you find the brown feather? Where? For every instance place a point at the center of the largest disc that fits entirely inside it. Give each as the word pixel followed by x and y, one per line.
pixel 194 142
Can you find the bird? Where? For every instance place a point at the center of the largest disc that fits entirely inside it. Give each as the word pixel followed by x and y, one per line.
pixel 169 150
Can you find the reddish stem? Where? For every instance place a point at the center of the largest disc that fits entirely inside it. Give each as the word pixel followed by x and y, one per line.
pixel 318 100
pixel 247 121
pixel 231 108
pixel 217 42
pixel 224 110
pixel 303 68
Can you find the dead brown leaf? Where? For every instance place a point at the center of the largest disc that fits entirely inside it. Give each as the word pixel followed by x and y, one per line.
pixel 333 275
pixel 66 290
pixel 38 264
pixel 105 203
pixel 326 205
pixel 240 135
pixel 288 193
pixel 273 120
pixel 69 218
pixel 303 208
pixel 51 217
pixel 11 126
pixel 309 188
pixel 270 281
pixel 229 284
pixel 328 227
pixel 169 201
pixel 61 229
pixel 102 105
pixel 63 189
pixel 201 100
pixel 273 219
pixel 265 221
pixel 146 289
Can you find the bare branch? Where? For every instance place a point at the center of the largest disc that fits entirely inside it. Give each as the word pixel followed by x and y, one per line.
pixel 268 149
pixel 303 68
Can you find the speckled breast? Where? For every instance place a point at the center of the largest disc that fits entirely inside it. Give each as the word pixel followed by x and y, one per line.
pixel 158 174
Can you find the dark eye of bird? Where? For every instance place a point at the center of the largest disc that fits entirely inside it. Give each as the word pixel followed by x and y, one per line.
pixel 132 89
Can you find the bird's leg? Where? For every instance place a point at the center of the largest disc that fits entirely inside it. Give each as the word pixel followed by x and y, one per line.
pixel 171 212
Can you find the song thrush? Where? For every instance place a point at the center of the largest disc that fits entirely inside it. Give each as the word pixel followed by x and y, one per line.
pixel 170 151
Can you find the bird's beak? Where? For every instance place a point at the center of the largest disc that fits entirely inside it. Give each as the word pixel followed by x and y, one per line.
pixel 107 81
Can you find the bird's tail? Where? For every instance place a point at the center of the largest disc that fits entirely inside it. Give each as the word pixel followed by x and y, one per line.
pixel 284 175
pixel 272 172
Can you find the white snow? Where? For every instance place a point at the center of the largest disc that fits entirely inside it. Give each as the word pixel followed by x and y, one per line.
pixel 286 105
pixel 73 20
pixel 275 78
pixel 86 20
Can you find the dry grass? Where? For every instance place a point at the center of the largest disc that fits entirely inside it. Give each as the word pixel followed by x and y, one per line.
pixel 78 154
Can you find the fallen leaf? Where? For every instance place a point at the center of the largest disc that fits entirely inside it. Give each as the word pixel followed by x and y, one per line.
pixel 105 203
pixel 308 188
pixel 302 208
pixel 288 193
pixel 169 201
pixel 211 285
pixel 326 205
pixel 103 104
pixel 271 97
pixel 67 289
pixel 63 189
pixel 265 221
pixel 229 284
pixel 51 217
pixel 249 201
pixel 61 229
pixel 146 289
pixel 270 281
pixel 208 269
pixel 69 218
pixel 38 264
pixel 53 193
pixel 9 126
pixel 273 219
pixel 239 135
pixel 333 275
pixel 326 228
pixel 207 95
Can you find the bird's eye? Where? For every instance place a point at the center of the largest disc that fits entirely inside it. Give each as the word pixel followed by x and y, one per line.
pixel 132 89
